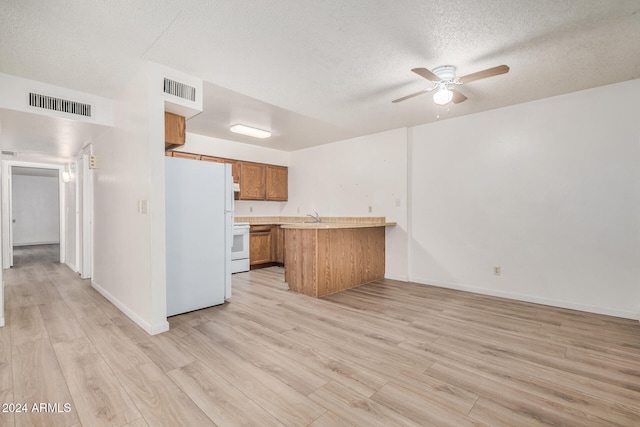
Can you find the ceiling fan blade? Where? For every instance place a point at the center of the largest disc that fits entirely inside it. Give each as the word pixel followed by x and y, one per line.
pixel 458 97
pixel 426 74
pixel 489 72
pixel 411 96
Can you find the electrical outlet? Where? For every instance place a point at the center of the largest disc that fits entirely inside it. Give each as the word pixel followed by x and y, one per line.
pixel 370 209
pixel 398 202
pixel 497 270
pixel 250 208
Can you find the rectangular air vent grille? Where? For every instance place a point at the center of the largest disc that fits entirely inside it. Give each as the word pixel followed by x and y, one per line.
pixel 180 90
pixel 58 104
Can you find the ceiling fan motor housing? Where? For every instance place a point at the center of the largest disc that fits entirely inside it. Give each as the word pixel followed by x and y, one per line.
pixel 445 72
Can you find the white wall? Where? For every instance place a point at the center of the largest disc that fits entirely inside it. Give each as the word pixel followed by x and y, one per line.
pixel 548 190
pixel 35 210
pixel 339 179
pixel 15 92
pixel 239 151
pixel 128 245
pixel 347 177
pixel 71 257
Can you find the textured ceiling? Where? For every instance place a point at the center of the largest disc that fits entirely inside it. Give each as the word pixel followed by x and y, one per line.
pixel 320 71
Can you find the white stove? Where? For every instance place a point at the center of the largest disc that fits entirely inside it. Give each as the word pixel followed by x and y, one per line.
pixel 240 248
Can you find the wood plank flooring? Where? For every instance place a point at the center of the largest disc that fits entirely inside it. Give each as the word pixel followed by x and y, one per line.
pixel 383 354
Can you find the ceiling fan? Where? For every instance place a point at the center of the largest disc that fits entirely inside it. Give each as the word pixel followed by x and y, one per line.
pixel 444 77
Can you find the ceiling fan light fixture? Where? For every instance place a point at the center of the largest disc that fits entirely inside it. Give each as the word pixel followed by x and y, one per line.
pixel 250 131
pixel 443 96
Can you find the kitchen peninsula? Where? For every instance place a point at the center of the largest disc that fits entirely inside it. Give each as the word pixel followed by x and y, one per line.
pixel 322 258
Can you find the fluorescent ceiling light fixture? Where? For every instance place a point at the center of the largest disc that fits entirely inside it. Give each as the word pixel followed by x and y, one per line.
pixel 249 131
pixel 443 96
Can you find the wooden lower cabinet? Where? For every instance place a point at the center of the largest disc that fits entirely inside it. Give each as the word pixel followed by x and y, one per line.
pixel 260 246
pixel 266 246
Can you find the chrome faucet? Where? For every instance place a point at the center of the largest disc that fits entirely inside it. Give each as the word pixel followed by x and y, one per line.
pixel 316 217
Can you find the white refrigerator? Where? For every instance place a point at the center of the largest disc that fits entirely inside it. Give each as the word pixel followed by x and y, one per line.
pixel 199 234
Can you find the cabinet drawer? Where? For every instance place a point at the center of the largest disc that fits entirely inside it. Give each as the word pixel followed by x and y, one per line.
pixel 260 229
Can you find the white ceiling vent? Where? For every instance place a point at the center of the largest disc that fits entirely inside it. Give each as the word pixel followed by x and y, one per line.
pixel 180 90
pixel 59 104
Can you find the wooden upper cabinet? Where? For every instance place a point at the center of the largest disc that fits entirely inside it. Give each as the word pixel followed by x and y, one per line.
pixel 235 166
pixel 252 181
pixel 258 181
pixel 190 156
pixel 235 170
pixel 212 159
pixel 277 183
pixel 174 130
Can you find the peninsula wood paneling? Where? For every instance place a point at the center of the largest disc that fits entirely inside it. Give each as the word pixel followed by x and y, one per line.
pixel 324 261
pixel 300 268
pixel 349 257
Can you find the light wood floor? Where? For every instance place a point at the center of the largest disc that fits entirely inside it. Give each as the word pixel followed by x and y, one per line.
pixel 383 354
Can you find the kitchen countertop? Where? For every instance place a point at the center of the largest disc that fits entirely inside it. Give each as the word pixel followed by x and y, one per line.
pixel 303 222
pixel 331 225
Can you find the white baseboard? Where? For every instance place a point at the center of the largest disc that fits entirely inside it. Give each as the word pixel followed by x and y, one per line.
pixel 150 329
pixel 36 243
pixel 396 277
pixel 528 298
pixel 71 266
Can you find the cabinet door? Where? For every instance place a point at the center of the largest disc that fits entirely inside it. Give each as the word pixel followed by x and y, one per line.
pixel 260 246
pixel 235 169
pixel 277 183
pixel 174 130
pixel 252 181
pixel 182 155
pixel 235 165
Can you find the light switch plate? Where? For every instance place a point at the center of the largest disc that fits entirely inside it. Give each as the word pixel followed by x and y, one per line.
pixel 143 206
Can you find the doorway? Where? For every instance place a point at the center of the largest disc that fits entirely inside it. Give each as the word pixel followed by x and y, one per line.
pixel 35 213
pixel 33 201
